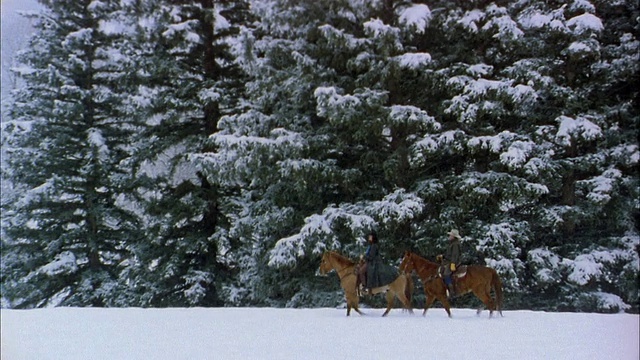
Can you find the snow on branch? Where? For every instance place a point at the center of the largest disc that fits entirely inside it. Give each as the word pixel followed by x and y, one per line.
pixel 579 128
pixel 583 268
pixel 64 263
pixel 546 265
pixel 535 20
pixel 411 115
pixel 321 231
pixel 329 100
pixel 376 28
pixel 495 144
pixel 97 141
pixel 413 61
pixel 517 154
pixel 600 188
pixel 471 19
pixel 348 109
pixel 338 38
pixel 415 17
pixel 599 264
pixel 318 232
pixel 507 29
pixel 609 301
pixel 185 29
pixel 398 207
pixel 585 23
pixel 501 243
pixel 434 142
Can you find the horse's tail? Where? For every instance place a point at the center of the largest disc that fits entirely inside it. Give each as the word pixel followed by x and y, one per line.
pixel 408 290
pixel 496 284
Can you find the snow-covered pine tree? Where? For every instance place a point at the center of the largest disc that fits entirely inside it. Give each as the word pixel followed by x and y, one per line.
pixel 534 174
pixel 495 80
pixel 586 248
pixel 473 169
pixel 322 154
pixel 188 80
pixel 64 241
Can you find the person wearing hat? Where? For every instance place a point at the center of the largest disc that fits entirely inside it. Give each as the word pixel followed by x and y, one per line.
pixel 451 261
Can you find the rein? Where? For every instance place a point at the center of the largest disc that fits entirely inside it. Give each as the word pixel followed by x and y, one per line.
pixel 346 268
pixel 423 267
pixel 343 276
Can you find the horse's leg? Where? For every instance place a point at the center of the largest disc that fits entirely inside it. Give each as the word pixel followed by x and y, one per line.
pixel 355 307
pixel 403 294
pixel 389 295
pixel 428 302
pixel 492 305
pixel 354 303
pixel 441 294
pixel 486 300
pixel 445 302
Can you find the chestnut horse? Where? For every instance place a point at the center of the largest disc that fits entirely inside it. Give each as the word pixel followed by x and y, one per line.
pixel 478 279
pixel 345 268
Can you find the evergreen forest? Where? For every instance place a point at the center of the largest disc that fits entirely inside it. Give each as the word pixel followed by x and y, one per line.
pixel 182 153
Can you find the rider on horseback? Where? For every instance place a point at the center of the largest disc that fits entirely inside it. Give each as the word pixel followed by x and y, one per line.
pixel 450 261
pixel 374 272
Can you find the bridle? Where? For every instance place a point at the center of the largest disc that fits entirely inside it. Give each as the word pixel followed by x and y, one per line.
pixel 409 262
pixel 417 270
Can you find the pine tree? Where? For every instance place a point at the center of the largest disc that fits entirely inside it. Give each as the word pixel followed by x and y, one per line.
pixel 455 115
pixel 65 240
pixel 318 170
pixel 189 80
pixel 590 131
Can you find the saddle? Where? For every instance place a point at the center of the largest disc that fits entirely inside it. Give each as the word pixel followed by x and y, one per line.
pixel 460 272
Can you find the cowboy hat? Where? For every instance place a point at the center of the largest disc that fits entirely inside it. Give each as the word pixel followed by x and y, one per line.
pixel 454 233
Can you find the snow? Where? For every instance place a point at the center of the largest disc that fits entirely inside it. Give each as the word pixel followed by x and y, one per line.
pixel 507 28
pixel 416 16
pixel 375 28
pixel 585 23
pixel 535 20
pixel 584 268
pixel 584 5
pixel 478 70
pixel 470 20
pixel 65 263
pixel 602 186
pixel 517 154
pixel 576 128
pixel 318 233
pixel 221 23
pixel 413 60
pixel 95 139
pixel 269 333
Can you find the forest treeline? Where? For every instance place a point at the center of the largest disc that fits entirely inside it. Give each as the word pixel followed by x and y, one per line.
pixel 206 153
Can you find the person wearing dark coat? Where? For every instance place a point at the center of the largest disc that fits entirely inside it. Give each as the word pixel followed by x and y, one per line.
pixel 451 261
pixel 378 273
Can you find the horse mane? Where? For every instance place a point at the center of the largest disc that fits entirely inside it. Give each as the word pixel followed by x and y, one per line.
pixel 343 260
pixel 422 260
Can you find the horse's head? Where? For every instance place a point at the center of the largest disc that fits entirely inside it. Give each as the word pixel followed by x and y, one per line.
pixel 325 264
pixel 406 266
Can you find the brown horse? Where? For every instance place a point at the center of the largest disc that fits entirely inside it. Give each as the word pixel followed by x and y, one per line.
pixel 345 268
pixel 478 279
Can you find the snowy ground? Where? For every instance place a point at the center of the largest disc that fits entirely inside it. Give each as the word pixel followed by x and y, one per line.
pixel 267 333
